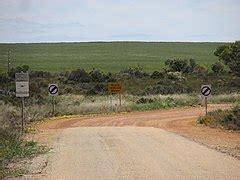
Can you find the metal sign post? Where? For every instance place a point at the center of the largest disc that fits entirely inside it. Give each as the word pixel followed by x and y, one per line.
pixel 111 102
pixel 22 90
pixel 53 105
pixel 53 91
pixel 23 114
pixel 116 88
pixel 120 100
pixel 206 91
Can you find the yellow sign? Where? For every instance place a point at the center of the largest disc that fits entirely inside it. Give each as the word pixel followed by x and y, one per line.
pixel 115 87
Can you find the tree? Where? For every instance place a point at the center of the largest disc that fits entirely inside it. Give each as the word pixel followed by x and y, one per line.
pixel 230 55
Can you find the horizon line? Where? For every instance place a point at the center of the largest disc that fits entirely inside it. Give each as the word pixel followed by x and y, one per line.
pixel 112 41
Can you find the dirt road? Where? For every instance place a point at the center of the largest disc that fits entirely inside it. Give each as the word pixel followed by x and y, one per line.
pixel 135 153
pixel 84 152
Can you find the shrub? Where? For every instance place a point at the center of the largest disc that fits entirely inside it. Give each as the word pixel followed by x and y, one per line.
pixel 134 72
pixel 200 70
pixel 18 69
pixel 79 75
pixel 192 65
pixel 230 55
pixel 217 68
pixel 97 89
pixel 169 87
pixel 4 78
pixel 157 75
pixel 144 100
pixel 177 65
pixel 13 147
pixel 40 74
pixel 176 76
pixel 98 76
pixel 228 119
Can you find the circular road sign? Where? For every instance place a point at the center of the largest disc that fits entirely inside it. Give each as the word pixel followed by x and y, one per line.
pixel 53 89
pixel 206 90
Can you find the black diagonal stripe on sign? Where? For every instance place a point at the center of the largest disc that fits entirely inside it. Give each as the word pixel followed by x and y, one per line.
pixel 52 89
pixel 205 90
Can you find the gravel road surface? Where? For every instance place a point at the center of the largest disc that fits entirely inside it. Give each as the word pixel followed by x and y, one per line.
pixel 135 153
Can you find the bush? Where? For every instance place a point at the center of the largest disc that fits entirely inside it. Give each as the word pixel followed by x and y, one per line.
pixel 172 83
pixel 4 78
pixel 230 55
pixel 192 65
pixel 13 147
pixel 171 87
pixel 217 68
pixel 97 89
pixel 200 70
pixel 134 72
pixel 228 119
pixel 157 75
pixel 98 76
pixel 144 100
pixel 185 66
pixel 79 75
pixel 177 65
pixel 40 74
pixel 18 69
pixel 163 104
pixel 176 76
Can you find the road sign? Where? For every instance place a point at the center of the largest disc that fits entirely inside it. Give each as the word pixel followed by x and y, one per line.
pixel 22 84
pixel 22 89
pixel 115 87
pixel 206 90
pixel 53 89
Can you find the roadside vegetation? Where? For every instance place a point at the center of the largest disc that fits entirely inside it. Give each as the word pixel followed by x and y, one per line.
pixel 14 148
pixel 84 91
pixel 227 119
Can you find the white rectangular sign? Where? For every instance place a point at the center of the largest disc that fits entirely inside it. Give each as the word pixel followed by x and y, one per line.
pixel 22 84
pixel 22 89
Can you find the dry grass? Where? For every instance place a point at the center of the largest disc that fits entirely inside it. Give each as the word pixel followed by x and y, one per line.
pixel 79 104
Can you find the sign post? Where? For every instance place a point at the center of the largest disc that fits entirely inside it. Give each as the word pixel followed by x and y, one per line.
pixel 53 91
pixel 22 90
pixel 206 91
pixel 116 88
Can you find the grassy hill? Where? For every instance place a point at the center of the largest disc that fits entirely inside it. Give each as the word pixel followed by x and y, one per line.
pixel 111 56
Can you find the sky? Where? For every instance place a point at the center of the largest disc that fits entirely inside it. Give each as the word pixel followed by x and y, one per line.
pixel 119 20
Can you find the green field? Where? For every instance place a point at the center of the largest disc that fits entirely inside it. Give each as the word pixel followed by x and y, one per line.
pixel 111 56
